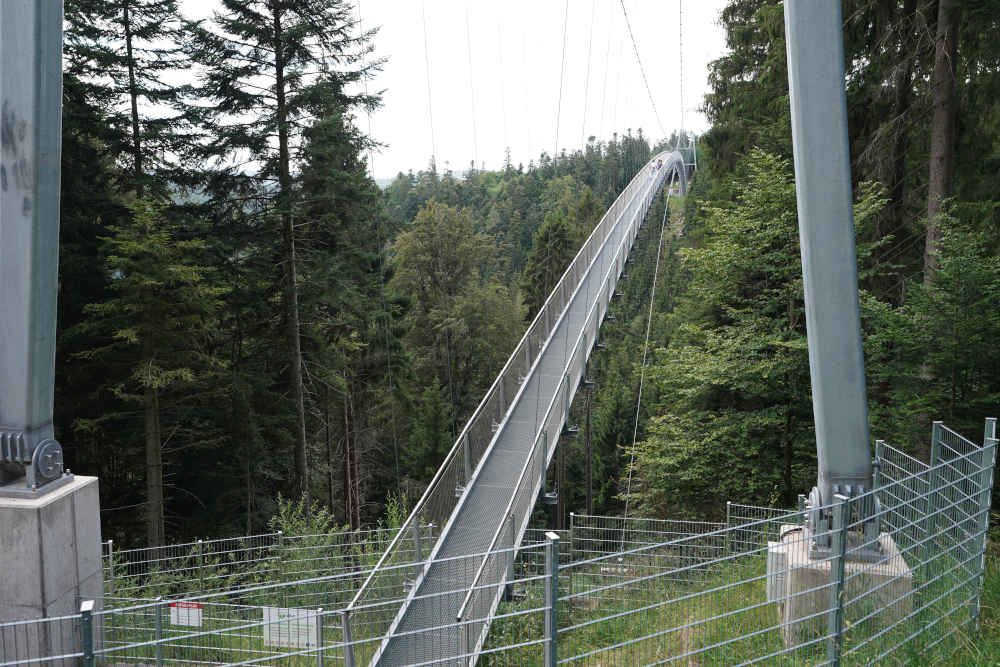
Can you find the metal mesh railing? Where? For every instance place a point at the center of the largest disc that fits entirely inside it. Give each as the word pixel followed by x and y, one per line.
pixel 752 526
pixel 630 208
pixel 46 641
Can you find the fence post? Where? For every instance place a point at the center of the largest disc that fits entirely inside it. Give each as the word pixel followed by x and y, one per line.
pixel 935 483
pixel 729 504
pixel 158 620
pixel 348 639
pixel 988 460
pixel 551 599
pixel 417 550
pixel 877 464
pixel 572 552
pixel 319 637
pixel 111 566
pixel 87 632
pixel 930 499
pixel 838 547
pixel 467 455
pixel 463 640
pixel 513 543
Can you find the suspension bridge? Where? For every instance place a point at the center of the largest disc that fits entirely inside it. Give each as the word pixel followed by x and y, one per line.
pixel 434 592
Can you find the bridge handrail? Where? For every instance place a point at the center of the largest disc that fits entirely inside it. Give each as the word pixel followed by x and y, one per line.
pixel 541 436
pixel 541 319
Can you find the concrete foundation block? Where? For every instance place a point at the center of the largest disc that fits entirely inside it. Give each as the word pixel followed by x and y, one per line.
pixel 50 560
pixel 801 586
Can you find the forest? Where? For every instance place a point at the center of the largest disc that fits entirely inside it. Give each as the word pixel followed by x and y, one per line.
pixel 245 316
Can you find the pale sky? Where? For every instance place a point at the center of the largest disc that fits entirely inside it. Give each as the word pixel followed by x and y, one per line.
pixel 515 48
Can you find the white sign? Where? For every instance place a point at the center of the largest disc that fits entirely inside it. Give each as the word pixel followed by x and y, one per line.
pixel 295 628
pixel 185 613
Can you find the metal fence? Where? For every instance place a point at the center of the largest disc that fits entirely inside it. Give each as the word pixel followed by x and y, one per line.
pixel 206 566
pixel 612 591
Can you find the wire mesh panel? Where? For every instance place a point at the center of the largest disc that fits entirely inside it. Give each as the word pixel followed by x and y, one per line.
pixel 200 566
pixel 206 566
pixel 753 526
pixel 48 641
pixel 920 599
pixel 904 505
pixel 698 605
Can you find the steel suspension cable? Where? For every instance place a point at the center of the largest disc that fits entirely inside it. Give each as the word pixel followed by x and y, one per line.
pixel 642 70
pixel 586 85
pixel 618 79
pixel 645 351
pixel 381 282
pixel 680 47
pixel 562 69
pixel 472 88
pixel 427 71
pixel 555 157
pixel 607 66
pixel 503 96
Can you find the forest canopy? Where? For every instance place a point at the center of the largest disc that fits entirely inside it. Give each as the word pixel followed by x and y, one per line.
pixel 245 315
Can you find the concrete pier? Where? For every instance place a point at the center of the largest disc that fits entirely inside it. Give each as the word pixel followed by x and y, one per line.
pixel 801 586
pixel 51 550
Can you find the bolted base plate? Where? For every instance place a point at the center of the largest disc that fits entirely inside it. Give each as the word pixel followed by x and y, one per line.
pixel 19 488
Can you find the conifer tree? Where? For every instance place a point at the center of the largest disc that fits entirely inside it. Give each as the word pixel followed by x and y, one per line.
pixel 123 52
pixel 554 248
pixel 268 65
pixel 155 328
pixel 348 337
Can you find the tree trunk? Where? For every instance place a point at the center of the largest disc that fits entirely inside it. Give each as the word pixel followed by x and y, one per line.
pixel 249 509
pixel 356 476
pixel 903 88
pixel 133 98
pixel 154 468
pixel 348 468
pixel 291 290
pixel 561 482
pixel 330 458
pixel 942 160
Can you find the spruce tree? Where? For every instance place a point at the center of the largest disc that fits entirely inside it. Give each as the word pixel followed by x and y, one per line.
pixel 554 249
pixel 267 66
pixel 122 52
pixel 155 329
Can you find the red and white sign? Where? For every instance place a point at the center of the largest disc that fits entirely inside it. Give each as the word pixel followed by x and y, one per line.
pixel 185 613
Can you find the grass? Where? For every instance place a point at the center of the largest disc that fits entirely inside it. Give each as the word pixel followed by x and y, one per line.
pixel 721 617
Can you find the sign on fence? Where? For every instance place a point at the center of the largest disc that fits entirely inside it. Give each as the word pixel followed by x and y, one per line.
pixel 295 628
pixel 185 613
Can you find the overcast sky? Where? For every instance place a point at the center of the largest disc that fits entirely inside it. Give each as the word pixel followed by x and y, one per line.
pixel 515 48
